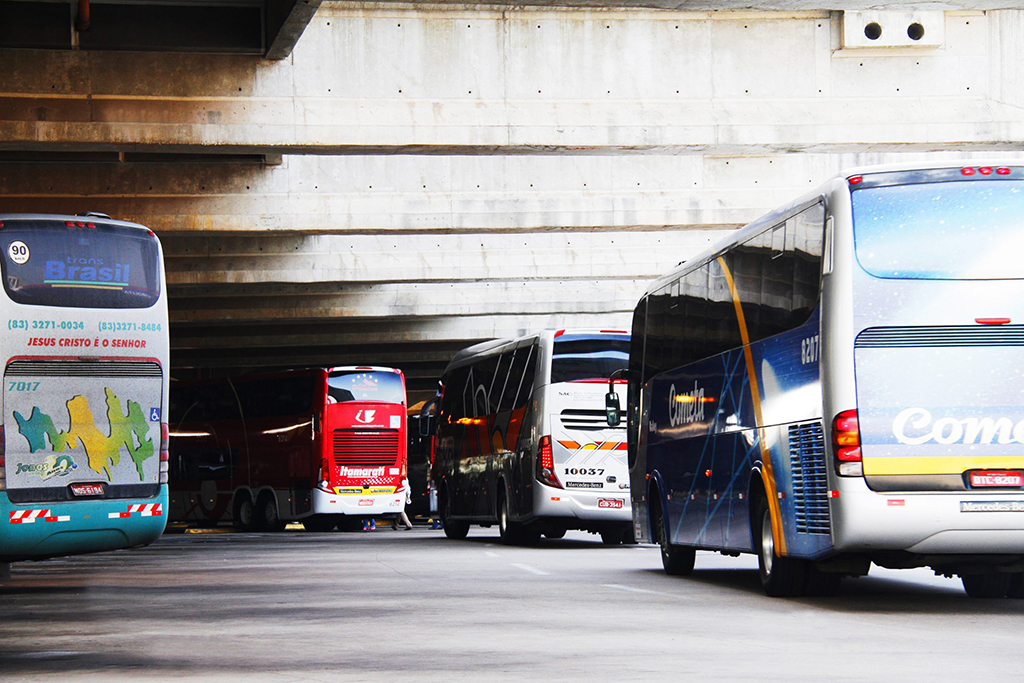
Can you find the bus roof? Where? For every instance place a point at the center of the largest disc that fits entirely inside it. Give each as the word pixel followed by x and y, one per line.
pixel 496 346
pixel 44 217
pixel 840 180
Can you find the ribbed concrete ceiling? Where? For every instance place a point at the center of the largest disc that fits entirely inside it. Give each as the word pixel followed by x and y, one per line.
pixel 267 28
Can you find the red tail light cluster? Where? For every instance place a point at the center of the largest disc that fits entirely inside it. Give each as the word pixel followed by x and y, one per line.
pixel 984 170
pixel 546 464
pixel 3 460
pixel 165 454
pixel 846 443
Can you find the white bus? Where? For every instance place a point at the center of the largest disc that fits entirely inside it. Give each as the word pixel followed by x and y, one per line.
pixel 841 383
pixel 83 453
pixel 522 439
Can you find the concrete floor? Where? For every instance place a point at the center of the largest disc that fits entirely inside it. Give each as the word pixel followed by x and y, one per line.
pixel 414 606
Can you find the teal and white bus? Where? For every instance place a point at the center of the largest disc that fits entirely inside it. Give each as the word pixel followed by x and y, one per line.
pixel 841 383
pixel 84 351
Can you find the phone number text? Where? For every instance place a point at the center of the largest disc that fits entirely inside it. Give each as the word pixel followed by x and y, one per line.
pixel 45 325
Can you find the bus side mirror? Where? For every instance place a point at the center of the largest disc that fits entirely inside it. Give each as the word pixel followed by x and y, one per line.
pixel 611 408
pixel 427 414
pixel 611 399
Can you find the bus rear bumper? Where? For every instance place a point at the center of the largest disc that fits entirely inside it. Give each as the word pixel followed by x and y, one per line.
pixel 963 522
pixel 35 531
pixel 356 505
pixel 589 506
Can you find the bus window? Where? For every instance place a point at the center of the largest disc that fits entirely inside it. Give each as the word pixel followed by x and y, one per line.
pixel 576 359
pixel 366 385
pixel 106 266
pixel 966 230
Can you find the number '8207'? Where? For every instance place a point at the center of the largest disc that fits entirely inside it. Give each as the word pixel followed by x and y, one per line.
pixel 22 386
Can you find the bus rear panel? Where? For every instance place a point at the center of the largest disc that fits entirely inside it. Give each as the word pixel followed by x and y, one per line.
pixel 85 353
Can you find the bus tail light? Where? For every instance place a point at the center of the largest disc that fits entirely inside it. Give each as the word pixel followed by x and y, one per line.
pixel 165 455
pixel 323 484
pixel 546 464
pixel 846 443
pixel 3 459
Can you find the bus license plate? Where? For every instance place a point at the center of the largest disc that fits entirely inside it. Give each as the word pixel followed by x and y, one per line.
pixel 611 503
pixel 87 489
pixel 993 478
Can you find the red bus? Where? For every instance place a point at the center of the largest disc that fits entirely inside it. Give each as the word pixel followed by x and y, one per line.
pixel 326 447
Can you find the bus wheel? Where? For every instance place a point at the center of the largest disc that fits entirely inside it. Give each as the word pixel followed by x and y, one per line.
pixel 1016 586
pixel 554 534
pixel 455 530
pixel 989 585
pixel 244 514
pixel 611 536
pixel 514 533
pixel 677 560
pixel 319 523
pixel 781 577
pixel 821 584
pixel 267 515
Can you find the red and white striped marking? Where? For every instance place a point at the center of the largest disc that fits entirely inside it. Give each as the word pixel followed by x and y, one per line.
pixel 31 516
pixel 143 510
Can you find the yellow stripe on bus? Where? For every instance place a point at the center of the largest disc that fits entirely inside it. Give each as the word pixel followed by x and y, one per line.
pixel 755 395
pixel 952 464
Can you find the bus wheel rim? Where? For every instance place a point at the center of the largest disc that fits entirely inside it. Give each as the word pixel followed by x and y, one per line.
pixel 767 543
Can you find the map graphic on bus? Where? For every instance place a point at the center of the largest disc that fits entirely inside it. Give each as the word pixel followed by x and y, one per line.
pixel 103 451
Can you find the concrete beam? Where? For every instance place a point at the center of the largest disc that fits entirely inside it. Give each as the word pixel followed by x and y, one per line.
pixel 385 80
pixel 285 21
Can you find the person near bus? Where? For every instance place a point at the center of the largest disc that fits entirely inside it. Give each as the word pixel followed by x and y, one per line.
pixel 401 516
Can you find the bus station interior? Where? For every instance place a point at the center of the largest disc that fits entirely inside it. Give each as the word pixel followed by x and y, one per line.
pixel 343 183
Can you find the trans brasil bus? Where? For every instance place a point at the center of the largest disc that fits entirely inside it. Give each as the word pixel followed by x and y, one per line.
pixel 839 383
pixel 83 446
pixel 326 447
pixel 521 440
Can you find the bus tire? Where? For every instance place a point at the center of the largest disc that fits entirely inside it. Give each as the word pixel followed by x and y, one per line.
pixel 554 534
pixel 987 585
pixel 1016 586
pixel 512 533
pixel 244 515
pixel 781 577
pixel 455 530
pixel 677 560
pixel 267 516
pixel 821 584
pixel 319 523
pixel 611 536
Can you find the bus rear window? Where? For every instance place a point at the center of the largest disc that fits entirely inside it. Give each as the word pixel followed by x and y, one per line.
pixel 46 263
pixel 962 230
pixel 365 385
pixel 588 358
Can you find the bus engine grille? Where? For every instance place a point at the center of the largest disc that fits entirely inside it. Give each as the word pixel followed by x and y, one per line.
pixel 587 419
pixel 810 482
pixel 369 448
pixel 941 335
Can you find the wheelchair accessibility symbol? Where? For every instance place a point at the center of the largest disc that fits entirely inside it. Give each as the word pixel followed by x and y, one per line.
pixel 154 414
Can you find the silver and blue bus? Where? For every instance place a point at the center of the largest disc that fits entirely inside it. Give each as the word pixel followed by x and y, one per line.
pixel 84 352
pixel 841 383
pixel 522 441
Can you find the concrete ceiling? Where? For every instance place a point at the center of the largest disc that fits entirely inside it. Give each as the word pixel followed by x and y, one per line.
pixel 260 257
pixel 268 28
